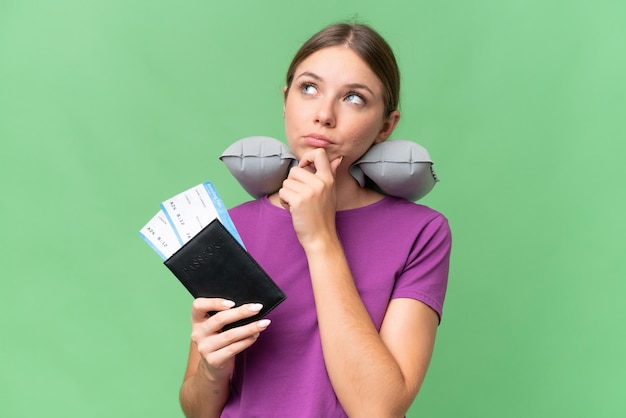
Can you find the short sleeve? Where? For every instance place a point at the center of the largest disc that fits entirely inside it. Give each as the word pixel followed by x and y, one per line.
pixel 425 277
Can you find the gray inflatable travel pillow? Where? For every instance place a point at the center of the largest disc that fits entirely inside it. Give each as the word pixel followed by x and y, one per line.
pixel 396 167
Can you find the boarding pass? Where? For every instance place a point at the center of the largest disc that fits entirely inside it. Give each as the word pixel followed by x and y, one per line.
pixel 181 217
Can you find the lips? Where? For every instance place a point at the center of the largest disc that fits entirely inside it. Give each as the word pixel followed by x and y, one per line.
pixel 317 140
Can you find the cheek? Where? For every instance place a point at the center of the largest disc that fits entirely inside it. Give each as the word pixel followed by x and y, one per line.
pixel 291 127
pixel 363 138
pixel 293 114
pixel 365 134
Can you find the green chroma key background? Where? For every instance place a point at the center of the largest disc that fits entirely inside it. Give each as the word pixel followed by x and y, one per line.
pixel 109 107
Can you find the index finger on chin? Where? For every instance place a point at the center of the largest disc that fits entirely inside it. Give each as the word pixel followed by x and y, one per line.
pixel 316 158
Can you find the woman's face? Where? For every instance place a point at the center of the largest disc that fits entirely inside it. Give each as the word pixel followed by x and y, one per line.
pixel 336 102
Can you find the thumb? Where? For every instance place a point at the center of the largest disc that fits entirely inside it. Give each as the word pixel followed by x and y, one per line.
pixel 334 164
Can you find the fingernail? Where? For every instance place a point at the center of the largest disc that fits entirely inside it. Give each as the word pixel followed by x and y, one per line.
pixel 255 307
pixel 228 303
pixel 263 323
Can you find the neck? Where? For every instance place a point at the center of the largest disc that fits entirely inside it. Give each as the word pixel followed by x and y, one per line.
pixel 350 195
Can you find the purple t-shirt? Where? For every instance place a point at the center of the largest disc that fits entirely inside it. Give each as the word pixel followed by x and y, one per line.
pixel 395 249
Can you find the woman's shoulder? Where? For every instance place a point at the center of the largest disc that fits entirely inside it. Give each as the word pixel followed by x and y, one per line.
pixel 245 209
pixel 395 207
pixel 394 217
pixel 257 207
pixel 245 206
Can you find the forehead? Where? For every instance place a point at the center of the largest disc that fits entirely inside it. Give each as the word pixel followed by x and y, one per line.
pixel 341 65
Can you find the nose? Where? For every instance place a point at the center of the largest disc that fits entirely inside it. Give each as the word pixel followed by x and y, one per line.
pixel 326 114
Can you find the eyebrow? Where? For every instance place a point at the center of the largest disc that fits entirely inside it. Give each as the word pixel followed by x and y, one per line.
pixel 351 85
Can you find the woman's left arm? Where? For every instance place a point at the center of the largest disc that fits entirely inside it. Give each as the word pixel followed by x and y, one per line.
pixel 373 374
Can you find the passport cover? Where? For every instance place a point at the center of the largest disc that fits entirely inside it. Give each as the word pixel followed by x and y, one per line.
pixel 213 264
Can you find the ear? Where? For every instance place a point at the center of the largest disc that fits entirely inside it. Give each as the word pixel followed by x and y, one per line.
pixel 285 90
pixel 388 126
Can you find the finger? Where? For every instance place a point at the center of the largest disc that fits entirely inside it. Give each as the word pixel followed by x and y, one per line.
pixel 214 325
pixel 218 340
pixel 283 202
pixel 313 157
pixel 214 358
pixel 334 164
pixel 323 166
pixel 232 342
pixel 202 306
pixel 243 332
pixel 221 319
pixel 294 188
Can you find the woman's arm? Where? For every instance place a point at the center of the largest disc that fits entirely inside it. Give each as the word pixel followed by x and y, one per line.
pixel 373 374
pixel 201 395
pixel 205 388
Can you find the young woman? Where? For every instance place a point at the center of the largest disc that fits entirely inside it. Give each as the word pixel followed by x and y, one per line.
pixel 365 273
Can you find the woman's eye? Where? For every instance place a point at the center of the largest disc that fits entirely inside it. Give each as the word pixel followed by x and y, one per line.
pixel 308 89
pixel 354 98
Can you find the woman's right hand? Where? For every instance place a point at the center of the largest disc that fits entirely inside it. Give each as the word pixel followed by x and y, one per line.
pixel 218 348
pixel 205 388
